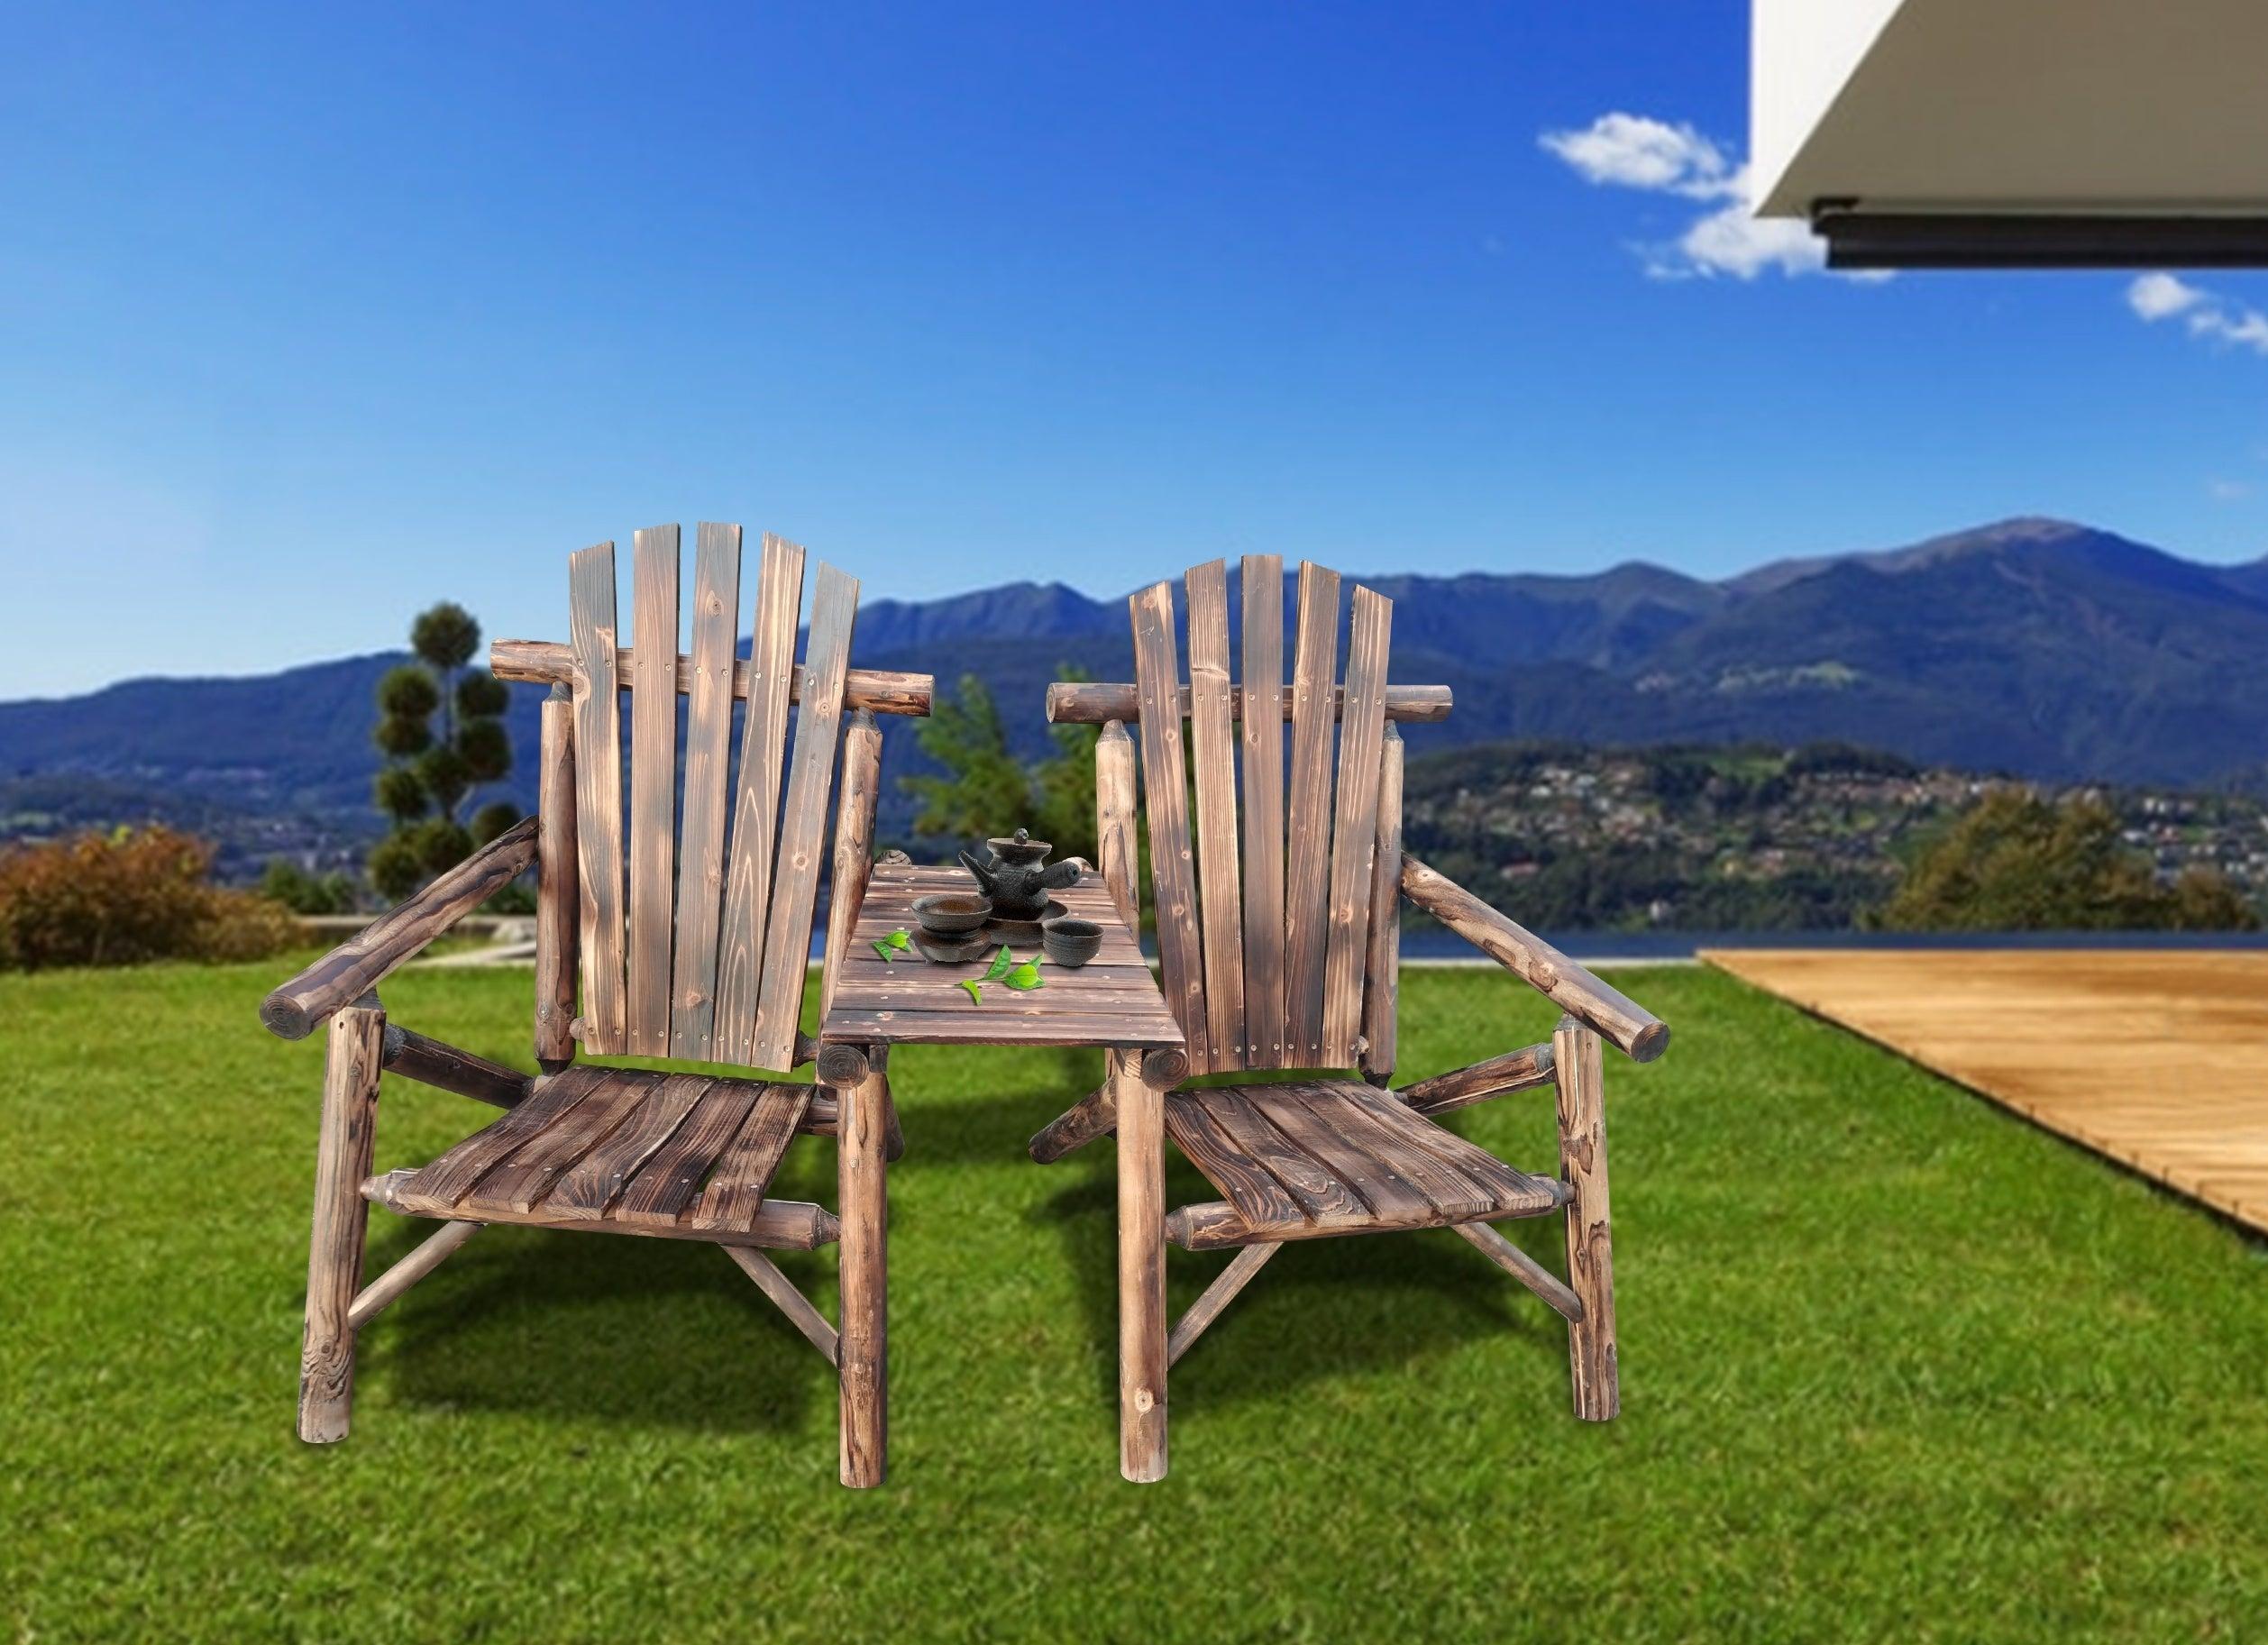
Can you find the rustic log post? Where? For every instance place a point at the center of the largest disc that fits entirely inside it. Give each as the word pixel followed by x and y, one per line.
pixel 550 663
pixel 348 1135
pixel 853 843
pixel 1116 851
pixel 1382 961
pixel 1589 1252
pixel 1521 1070
pixel 558 897
pixel 1142 1332
pixel 862 1344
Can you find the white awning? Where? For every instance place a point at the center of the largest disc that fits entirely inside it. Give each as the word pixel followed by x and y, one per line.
pixel 2130 113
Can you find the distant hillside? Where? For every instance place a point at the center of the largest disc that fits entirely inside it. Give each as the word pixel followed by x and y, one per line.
pixel 2036 647
pixel 1746 838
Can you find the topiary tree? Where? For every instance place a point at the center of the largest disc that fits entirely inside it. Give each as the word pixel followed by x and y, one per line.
pixel 431 772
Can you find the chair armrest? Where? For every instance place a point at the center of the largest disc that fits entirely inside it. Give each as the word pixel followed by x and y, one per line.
pixel 1612 1017
pixel 356 966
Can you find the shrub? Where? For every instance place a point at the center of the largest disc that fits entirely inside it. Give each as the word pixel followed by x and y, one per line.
pixel 126 898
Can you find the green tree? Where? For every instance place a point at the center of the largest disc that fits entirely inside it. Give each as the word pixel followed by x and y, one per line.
pixel 285 881
pixel 987 791
pixel 2015 862
pixel 432 772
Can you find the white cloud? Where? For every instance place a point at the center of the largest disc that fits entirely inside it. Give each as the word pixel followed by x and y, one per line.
pixel 1635 151
pixel 2153 297
pixel 2205 315
pixel 1631 151
pixel 2229 490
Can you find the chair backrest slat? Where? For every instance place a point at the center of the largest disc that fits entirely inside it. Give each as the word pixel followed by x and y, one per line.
pixel 701 869
pixel 787 941
pixel 1282 958
pixel 598 798
pixel 653 785
pixel 705 953
pixel 1263 739
pixel 1158 675
pixel 1213 749
pixel 1307 880
pixel 763 741
pixel 1355 824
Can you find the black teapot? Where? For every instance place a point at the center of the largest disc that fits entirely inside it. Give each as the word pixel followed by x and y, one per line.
pixel 1016 874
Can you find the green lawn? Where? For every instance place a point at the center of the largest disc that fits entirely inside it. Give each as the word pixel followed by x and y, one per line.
pixel 1895 1366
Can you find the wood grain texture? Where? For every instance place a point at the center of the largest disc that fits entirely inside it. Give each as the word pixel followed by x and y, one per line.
pixel 594 1181
pixel 558 909
pixel 347 1136
pixel 2151 1057
pixel 854 843
pixel 360 965
pixel 1263 740
pixel 1173 882
pixel 1315 1159
pixel 795 885
pixel 653 787
pixel 591 593
pixel 1117 850
pixel 1524 1268
pixel 1216 1297
pixel 1307 876
pixel 1220 899
pixel 1590 1258
pixel 1141 1267
pixel 1079 703
pixel 1355 825
pixel 742 1178
pixel 1624 1023
pixel 863 1346
pixel 878 691
pixel 1382 959
pixel 763 741
pixel 700 870
pixel 782 1225
pixel 388 1287
pixel 1521 1070
pixel 431 1062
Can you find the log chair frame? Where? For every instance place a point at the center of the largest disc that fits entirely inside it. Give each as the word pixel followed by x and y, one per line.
pixel 851 1104
pixel 1202 950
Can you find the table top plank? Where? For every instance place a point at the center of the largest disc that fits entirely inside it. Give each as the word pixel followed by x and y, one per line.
pixel 1113 999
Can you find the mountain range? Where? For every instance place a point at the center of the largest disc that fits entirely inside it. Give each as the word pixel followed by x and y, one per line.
pixel 2035 647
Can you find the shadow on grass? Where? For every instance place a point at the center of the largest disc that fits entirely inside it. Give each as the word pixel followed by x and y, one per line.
pixel 1321 1309
pixel 655 1333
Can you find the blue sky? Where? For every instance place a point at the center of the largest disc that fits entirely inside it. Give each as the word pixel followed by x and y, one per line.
pixel 308 319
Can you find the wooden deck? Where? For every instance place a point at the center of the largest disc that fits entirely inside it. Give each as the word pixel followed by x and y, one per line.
pixel 2158 1059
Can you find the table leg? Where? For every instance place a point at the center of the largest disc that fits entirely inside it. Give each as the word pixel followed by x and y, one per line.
pixel 862 1345
pixel 1141 1127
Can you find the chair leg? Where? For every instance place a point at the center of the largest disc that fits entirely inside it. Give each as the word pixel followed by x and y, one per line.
pixel 342 1216
pixel 1589 1248
pixel 1142 1336
pixel 863 1346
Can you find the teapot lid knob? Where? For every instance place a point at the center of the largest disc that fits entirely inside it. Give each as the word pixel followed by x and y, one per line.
pixel 1023 835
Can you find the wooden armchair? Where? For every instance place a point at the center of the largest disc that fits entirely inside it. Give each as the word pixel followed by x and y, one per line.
pixel 1281 955
pixel 703 960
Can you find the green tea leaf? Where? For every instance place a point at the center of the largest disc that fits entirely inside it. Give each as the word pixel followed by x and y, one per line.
pixel 1025 977
pixel 1002 963
pixel 974 988
pixel 889 955
pixel 899 939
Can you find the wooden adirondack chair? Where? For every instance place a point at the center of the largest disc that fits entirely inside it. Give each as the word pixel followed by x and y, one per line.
pixel 1284 954
pixel 704 961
